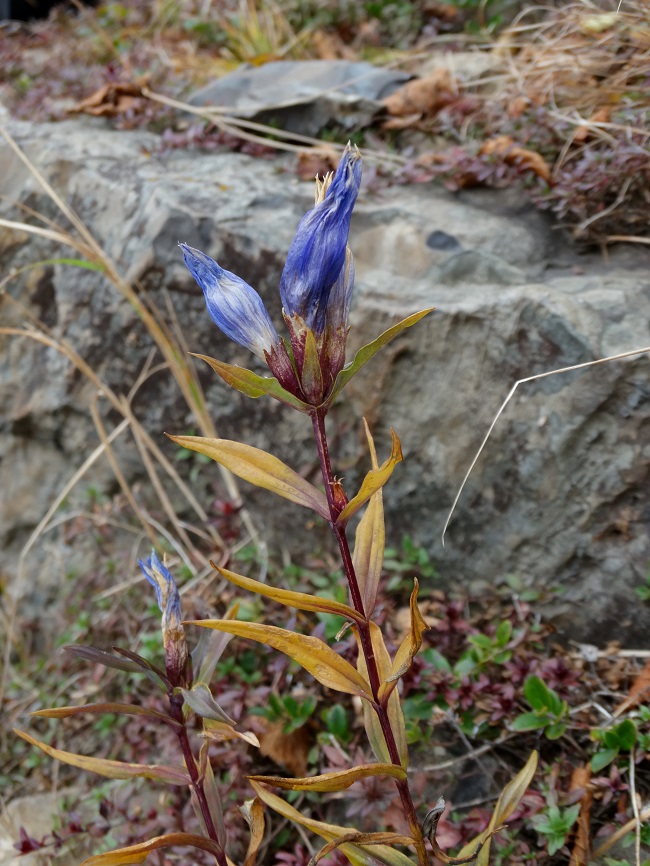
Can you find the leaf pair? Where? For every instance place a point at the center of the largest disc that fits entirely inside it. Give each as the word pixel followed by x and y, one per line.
pixel 255 386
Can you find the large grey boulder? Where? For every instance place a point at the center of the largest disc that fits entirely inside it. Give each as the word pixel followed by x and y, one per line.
pixel 560 498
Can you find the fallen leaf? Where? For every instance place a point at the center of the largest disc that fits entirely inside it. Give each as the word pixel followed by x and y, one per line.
pixel 317 162
pixel 512 154
pixel 330 46
pixel 110 100
pixel 423 97
pixel 580 781
pixel 639 691
pixel 583 132
pixel 287 750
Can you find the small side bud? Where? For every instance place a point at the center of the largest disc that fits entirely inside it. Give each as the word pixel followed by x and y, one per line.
pixel 177 659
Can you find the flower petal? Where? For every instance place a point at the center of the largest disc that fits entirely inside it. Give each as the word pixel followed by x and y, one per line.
pixel 234 306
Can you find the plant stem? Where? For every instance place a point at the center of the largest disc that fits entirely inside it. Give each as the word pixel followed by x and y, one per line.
pixel 176 704
pixel 320 437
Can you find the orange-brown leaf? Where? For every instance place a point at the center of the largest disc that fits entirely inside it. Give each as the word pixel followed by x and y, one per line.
pixel 139 853
pixel 312 654
pixel 337 781
pixel 374 481
pixel 423 97
pixel 580 853
pixel 513 154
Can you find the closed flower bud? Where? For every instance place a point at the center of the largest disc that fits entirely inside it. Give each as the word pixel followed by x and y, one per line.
pixel 317 255
pixel 234 306
pixel 177 661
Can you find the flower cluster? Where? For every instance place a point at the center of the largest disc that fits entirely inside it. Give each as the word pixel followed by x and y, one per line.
pixel 315 289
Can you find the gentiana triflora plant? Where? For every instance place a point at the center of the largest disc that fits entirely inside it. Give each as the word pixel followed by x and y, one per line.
pixel 309 371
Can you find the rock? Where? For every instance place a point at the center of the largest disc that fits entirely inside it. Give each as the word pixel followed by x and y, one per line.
pixel 560 497
pixel 304 96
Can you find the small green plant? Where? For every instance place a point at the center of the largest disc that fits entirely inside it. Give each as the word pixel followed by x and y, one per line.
pixel 555 825
pixel 288 710
pixel 619 738
pixel 549 713
pixel 485 650
pixel 643 591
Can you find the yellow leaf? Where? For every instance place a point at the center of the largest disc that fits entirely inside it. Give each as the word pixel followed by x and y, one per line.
pixel 298 600
pixel 368 557
pixel 112 769
pixel 374 481
pixel 139 853
pixel 220 732
pixel 394 707
pixel 409 647
pixel 312 654
pixel 259 468
pixel 338 781
pixel 506 805
pixel 356 856
pixel 357 838
pixel 253 812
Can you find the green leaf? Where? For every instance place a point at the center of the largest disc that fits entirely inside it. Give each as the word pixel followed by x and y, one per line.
pixel 504 632
pixel 374 481
pixel 367 352
pixel 602 759
pixel 259 468
pixel 531 721
pixel 112 769
pixel 538 694
pixel 555 731
pixel 312 654
pixel 481 640
pixel 251 384
pixel 626 735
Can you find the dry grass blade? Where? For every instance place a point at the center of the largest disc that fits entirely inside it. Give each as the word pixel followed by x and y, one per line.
pixel 509 398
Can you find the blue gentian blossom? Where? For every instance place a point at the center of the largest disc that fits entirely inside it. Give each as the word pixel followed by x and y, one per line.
pixel 234 306
pixel 177 657
pixel 315 289
pixel 317 255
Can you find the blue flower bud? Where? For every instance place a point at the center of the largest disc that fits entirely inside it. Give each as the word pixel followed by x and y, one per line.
pixel 177 662
pixel 318 252
pixel 234 306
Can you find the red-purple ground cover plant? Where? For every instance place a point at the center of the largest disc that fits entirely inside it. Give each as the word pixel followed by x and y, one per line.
pixel 309 372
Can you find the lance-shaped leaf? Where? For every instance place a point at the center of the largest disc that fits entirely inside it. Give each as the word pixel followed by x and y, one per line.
pixel 358 856
pixel 260 468
pixel 101 657
pixel 297 600
pixel 357 838
pixel 199 698
pixel 253 812
pixel 251 384
pixel 337 781
pixel 368 556
pixel 112 769
pixel 209 649
pixel 126 709
pixel 394 707
pixel 506 805
pixel 139 853
pixel 312 654
pixel 374 481
pixel 409 647
pixel 367 352
pixel 212 795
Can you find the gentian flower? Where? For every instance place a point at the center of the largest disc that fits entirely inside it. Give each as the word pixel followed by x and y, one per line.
pixel 234 306
pixel 317 255
pixel 177 661
pixel 315 289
